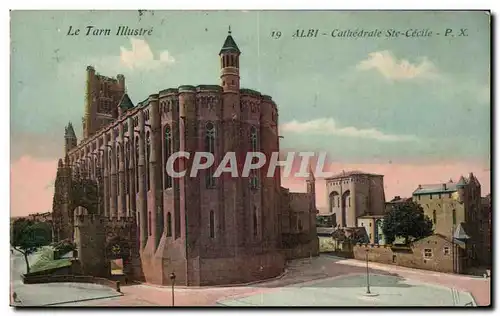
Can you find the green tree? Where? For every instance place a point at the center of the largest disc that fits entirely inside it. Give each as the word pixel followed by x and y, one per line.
pixel 406 220
pixel 28 236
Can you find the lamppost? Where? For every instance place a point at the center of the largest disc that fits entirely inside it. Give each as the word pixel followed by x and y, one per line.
pixel 172 278
pixel 367 275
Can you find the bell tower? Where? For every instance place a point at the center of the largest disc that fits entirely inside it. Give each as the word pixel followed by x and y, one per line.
pixel 230 65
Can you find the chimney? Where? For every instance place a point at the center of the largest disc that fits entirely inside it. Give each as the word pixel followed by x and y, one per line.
pixel 420 186
pixel 444 186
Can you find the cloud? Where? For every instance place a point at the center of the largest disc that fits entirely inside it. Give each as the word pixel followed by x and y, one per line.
pixel 328 126
pixel 393 69
pixel 141 56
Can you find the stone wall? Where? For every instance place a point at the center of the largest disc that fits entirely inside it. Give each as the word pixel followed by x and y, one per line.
pixel 303 250
pixel 37 279
pixel 441 260
pixel 240 269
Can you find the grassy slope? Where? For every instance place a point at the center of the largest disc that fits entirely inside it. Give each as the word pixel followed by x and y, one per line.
pixel 46 262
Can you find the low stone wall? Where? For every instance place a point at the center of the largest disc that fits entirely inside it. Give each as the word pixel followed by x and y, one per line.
pixel 401 256
pixel 37 279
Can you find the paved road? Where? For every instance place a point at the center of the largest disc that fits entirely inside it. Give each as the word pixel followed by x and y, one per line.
pixel 51 293
pixel 320 277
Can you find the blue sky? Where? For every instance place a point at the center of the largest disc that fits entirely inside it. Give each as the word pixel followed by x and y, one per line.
pixel 403 100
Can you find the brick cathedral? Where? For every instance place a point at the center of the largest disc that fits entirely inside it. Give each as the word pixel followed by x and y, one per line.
pixel 206 230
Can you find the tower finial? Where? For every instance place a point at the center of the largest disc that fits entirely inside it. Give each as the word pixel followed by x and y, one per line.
pixel 229 32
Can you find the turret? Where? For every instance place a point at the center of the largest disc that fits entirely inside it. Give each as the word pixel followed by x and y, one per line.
pixel 230 65
pixel 461 185
pixel 121 82
pixel 124 105
pixel 70 140
pixel 89 99
pixel 311 188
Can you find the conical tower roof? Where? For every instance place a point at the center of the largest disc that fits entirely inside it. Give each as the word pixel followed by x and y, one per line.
pixel 461 182
pixel 229 45
pixel 125 103
pixel 69 131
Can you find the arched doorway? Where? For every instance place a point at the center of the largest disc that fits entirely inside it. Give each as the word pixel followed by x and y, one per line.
pixel 334 204
pixel 118 256
pixel 346 203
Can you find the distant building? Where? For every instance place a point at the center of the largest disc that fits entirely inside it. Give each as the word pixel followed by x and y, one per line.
pixel 353 194
pixel 435 252
pixel 455 211
pixel 373 227
pixel 486 227
pixel 395 201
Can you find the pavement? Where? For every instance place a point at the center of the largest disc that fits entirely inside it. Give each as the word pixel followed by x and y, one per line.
pixel 352 290
pixel 51 293
pixel 321 281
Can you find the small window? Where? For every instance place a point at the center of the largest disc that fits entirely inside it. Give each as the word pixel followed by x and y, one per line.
pixel 446 250
pixel 427 253
pixel 169 225
pixel 439 196
pixel 370 225
pixel 430 196
pixel 449 195
pixel 419 197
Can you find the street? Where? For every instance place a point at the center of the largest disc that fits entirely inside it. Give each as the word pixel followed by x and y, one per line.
pixel 322 281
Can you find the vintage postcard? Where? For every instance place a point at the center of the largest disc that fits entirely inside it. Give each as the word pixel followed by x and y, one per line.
pixel 250 158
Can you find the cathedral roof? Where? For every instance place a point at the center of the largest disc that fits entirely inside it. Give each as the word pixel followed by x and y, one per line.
pixel 229 45
pixel 125 102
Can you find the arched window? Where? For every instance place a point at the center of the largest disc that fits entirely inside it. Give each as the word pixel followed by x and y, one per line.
pixel 434 217
pixel 136 162
pixel 127 161
pixel 169 224
pixel 118 150
pixel 148 152
pixel 254 142
pixel 110 155
pixel 168 153
pixel 454 216
pixel 255 223
pixel 210 147
pixel 300 225
pixel 212 224
pixel 95 168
